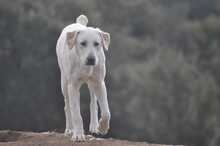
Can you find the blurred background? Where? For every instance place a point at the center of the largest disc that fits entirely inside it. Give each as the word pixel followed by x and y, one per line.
pixel 163 67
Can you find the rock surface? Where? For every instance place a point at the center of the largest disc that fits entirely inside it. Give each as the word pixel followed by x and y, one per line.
pixel 19 138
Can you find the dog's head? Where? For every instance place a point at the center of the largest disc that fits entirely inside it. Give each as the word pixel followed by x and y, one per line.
pixel 89 44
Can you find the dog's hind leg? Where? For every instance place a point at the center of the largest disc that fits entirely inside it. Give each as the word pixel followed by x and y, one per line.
pixel 69 127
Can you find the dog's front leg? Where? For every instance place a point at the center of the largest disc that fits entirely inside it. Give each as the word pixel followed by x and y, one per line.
pixel 74 98
pixel 94 124
pixel 101 94
pixel 68 130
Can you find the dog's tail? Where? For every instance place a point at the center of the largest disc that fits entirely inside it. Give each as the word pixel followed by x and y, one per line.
pixel 82 19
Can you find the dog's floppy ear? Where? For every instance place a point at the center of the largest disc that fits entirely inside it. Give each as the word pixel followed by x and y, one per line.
pixel 71 38
pixel 105 40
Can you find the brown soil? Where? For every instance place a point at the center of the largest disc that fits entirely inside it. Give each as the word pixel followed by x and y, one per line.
pixel 18 138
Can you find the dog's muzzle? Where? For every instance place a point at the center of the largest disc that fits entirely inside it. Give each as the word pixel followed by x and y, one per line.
pixel 90 61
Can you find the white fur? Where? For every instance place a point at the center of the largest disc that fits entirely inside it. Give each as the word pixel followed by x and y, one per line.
pixel 82 19
pixel 74 72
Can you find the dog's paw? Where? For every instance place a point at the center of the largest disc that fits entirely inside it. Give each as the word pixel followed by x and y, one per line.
pixel 78 137
pixel 68 132
pixel 103 126
pixel 93 128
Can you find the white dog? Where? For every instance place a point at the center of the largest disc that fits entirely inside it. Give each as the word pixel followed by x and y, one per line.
pixel 81 58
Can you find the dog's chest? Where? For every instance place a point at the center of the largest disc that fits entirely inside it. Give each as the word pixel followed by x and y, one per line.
pixel 86 73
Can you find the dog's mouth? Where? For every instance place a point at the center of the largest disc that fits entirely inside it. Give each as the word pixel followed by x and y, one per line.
pixel 90 64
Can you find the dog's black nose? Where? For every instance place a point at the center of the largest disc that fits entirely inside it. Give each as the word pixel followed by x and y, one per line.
pixel 90 61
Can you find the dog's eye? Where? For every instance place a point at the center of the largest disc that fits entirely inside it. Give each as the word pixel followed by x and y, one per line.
pixel 96 44
pixel 84 43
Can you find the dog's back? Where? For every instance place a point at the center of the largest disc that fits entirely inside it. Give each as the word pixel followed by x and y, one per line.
pixel 81 23
pixel 61 46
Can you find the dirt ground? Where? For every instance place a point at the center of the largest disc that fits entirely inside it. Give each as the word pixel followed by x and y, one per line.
pixel 19 138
